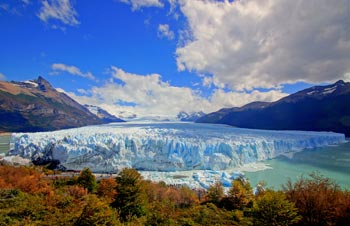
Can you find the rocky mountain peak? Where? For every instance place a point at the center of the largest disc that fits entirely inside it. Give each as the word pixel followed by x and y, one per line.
pixel 340 82
pixel 43 84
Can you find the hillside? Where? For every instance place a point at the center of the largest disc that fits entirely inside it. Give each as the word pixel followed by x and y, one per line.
pixel 319 108
pixel 36 106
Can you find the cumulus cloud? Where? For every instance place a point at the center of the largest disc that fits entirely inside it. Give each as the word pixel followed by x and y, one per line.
pixel 149 95
pixel 164 31
pixel 2 76
pixel 59 10
pixel 266 43
pixel 138 4
pixel 237 99
pixel 57 68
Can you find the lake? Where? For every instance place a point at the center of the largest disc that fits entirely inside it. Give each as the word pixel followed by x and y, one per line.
pixel 332 162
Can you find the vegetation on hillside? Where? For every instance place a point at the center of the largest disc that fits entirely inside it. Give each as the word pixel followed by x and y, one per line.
pixel 33 196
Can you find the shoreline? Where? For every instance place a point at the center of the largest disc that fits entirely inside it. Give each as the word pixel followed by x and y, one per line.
pixel 5 133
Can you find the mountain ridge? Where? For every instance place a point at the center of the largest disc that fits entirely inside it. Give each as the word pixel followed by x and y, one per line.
pixel 34 105
pixel 319 108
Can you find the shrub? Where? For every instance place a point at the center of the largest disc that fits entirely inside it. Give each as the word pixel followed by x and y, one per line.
pixel 97 212
pixel 239 196
pixel 106 188
pixel 215 192
pixel 273 209
pixel 319 200
pixel 87 180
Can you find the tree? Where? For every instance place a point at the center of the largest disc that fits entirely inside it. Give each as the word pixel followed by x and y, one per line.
pixel 215 192
pixel 187 197
pixel 96 212
pixel 319 200
pixel 273 209
pixel 106 188
pixel 87 180
pixel 239 196
pixel 130 200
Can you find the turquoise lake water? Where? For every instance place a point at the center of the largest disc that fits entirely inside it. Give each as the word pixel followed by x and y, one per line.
pixel 332 162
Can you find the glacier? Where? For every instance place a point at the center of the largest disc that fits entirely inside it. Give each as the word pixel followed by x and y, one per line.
pixel 167 147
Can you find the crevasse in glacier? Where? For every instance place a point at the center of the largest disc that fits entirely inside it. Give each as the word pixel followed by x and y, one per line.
pixel 163 146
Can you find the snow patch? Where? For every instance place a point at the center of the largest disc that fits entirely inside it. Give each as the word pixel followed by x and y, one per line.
pixel 34 84
pixel 311 92
pixel 329 90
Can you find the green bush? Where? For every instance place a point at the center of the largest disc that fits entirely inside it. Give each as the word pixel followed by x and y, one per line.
pixel 87 180
pixel 273 209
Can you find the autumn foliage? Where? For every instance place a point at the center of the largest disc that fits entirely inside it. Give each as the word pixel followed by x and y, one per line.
pixel 26 179
pixel 31 196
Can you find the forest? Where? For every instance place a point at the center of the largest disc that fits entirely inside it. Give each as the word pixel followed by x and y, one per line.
pixel 38 196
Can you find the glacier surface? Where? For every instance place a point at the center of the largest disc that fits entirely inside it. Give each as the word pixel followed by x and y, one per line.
pixel 163 146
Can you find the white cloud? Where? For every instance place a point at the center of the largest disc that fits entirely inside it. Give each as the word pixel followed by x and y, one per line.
pixel 61 90
pixel 9 9
pixel 207 81
pixel 138 4
pixel 26 2
pixel 71 70
pixel 148 95
pixel 173 4
pixel 266 43
pixel 4 6
pixel 347 77
pixel 83 91
pixel 237 99
pixel 61 10
pixel 2 77
pixel 164 31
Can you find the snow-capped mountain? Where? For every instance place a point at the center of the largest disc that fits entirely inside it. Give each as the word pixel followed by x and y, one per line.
pixel 36 106
pixel 102 114
pixel 189 117
pixel 125 115
pixel 319 108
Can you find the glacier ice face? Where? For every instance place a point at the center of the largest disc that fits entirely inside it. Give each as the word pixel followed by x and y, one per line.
pixel 196 179
pixel 163 146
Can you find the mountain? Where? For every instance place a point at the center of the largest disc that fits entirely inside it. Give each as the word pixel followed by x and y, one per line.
pixel 189 117
pixel 319 108
pixel 36 106
pixel 102 114
pixel 126 115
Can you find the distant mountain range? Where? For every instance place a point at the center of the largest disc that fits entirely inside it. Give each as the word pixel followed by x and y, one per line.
pixel 319 108
pixel 189 117
pixel 102 114
pixel 36 106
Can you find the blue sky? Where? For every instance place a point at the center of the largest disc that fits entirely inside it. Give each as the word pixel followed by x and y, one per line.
pixel 159 57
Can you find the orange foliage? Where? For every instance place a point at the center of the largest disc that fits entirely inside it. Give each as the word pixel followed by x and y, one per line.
pixel 107 188
pixel 26 179
pixel 76 191
pixel 180 196
pixel 320 201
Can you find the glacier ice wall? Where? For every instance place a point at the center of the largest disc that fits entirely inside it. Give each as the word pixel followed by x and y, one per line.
pixel 163 146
